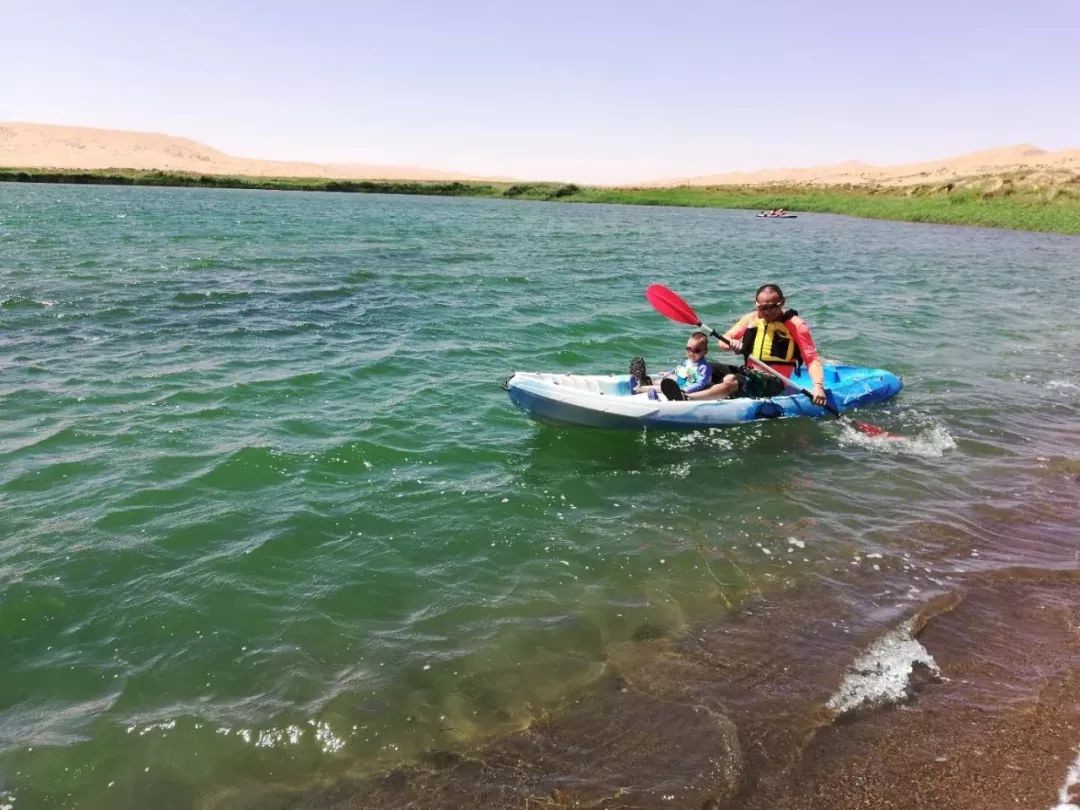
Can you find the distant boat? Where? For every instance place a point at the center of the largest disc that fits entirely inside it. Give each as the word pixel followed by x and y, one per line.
pixel 767 215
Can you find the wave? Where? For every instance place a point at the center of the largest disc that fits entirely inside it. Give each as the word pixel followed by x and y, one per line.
pixel 211 296
pixel 932 442
pixel 248 468
pixel 1066 798
pixel 463 258
pixel 25 302
pixel 884 674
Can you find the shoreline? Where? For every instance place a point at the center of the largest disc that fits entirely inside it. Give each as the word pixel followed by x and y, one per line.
pixel 1007 202
pixel 694 722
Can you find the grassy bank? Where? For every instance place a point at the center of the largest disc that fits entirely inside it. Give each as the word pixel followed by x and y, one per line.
pixel 996 202
pixel 133 177
pixel 1055 211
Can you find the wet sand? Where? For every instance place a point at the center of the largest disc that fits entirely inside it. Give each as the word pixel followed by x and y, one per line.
pixel 1001 732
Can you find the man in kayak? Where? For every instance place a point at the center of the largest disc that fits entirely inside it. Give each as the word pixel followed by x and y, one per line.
pixel 775 336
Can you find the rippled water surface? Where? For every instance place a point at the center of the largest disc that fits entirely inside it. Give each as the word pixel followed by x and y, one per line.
pixel 266 515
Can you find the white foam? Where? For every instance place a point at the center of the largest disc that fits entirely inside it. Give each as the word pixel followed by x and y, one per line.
pixel 880 676
pixel 715 438
pixel 1072 778
pixel 933 442
pixel 680 470
pixel 278 737
pixel 325 736
pixel 167 725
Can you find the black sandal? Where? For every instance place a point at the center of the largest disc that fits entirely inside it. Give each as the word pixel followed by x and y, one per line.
pixel 637 371
pixel 671 390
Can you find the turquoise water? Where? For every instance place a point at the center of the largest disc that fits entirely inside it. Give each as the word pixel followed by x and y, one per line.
pixel 266 515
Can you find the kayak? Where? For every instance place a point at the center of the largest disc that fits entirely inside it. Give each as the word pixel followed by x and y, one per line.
pixel 604 401
pixel 777 216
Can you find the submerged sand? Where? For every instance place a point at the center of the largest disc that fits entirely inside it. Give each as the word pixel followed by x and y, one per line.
pixel 731 716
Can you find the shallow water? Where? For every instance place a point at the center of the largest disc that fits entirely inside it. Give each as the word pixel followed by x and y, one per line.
pixel 266 516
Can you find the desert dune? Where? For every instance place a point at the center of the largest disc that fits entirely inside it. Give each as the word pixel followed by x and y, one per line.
pixel 1022 158
pixel 48 146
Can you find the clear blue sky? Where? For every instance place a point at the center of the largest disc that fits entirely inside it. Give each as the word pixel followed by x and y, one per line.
pixel 589 91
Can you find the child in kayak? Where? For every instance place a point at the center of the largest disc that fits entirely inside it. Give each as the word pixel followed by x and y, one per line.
pixel 692 374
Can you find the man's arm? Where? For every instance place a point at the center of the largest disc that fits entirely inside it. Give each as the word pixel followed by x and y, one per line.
pixel 805 341
pixel 735 333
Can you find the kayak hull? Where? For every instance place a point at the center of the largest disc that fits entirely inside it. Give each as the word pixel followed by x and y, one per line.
pixel 605 401
pixel 777 216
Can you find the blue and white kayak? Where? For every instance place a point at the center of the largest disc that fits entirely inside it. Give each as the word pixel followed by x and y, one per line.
pixel 777 216
pixel 605 401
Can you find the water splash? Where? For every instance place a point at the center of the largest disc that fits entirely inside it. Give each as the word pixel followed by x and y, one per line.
pixel 1065 385
pixel 881 676
pixel 1072 778
pixel 714 439
pixel 932 442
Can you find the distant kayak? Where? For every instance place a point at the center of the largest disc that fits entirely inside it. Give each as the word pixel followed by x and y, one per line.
pixel 777 216
pixel 605 401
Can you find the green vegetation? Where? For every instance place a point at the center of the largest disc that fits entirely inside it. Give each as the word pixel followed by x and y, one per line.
pixel 1054 210
pixel 136 177
pixel 1012 201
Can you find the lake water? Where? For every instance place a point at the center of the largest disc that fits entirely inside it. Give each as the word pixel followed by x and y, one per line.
pixel 267 518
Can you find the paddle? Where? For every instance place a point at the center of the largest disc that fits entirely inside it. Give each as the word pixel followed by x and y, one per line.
pixel 670 305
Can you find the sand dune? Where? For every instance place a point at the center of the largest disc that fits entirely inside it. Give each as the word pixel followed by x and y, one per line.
pixel 59 147
pixel 1022 158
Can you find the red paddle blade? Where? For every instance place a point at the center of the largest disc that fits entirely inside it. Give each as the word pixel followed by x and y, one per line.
pixel 668 304
pixel 873 430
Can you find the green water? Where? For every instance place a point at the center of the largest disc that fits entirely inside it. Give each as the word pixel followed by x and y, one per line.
pixel 266 515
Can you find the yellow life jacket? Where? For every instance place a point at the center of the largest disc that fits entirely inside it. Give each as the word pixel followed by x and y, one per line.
pixel 773 343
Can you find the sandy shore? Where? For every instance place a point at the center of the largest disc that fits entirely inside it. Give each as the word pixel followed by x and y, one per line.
pixel 1001 732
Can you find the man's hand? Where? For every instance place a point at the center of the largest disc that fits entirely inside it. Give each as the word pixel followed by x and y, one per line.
pixel 818 394
pixel 735 345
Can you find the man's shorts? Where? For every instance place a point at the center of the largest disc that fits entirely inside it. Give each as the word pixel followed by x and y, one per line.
pixel 752 383
pixel 759 384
